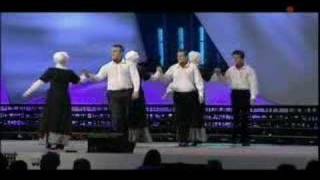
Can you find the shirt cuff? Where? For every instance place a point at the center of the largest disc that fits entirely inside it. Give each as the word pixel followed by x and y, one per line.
pixel 135 90
pixel 253 97
pixel 201 94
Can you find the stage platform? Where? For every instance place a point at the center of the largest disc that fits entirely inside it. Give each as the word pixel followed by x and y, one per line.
pixel 256 156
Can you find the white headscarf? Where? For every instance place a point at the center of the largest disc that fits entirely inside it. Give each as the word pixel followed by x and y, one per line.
pixel 132 56
pixel 194 57
pixel 61 57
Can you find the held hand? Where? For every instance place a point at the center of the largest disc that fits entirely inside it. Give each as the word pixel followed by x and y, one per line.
pixel 26 95
pixel 252 101
pixel 89 76
pixel 159 69
pixel 83 76
pixel 135 95
pixel 85 73
pixel 165 96
pixel 218 75
pixel 201 99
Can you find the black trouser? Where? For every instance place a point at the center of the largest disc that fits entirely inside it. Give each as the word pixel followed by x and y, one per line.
pixel 241 113
pixel 185 104
pixel 119 105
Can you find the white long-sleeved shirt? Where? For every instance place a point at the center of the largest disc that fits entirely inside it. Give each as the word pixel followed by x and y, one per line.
pixel 185 79
pixel 120 76
pixel 243 79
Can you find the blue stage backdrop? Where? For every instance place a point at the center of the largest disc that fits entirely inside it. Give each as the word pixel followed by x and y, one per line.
pixel 30 39
pixel 282 48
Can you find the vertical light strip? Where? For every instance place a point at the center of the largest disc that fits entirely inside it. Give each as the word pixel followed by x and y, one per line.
pixel 181 38
pixel 161 45
pixel 202 44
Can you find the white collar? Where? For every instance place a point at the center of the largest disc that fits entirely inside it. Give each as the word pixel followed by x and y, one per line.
pixel 123 61
pixel 243 67
pixel 60 66
pixel 186 66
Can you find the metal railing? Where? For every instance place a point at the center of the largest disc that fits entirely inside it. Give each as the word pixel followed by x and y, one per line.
pixel 290 121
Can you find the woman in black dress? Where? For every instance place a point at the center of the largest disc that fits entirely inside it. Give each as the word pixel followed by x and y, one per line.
pixel 56 122
pixel 138 123
pixel 198 130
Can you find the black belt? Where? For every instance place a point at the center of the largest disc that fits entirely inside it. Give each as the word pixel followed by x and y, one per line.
pixel 186 92
pixel 120 90
pixel 241 90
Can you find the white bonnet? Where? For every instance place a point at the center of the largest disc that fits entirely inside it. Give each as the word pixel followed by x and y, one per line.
pixel 194 56
pixel 60 57
pixel 132 56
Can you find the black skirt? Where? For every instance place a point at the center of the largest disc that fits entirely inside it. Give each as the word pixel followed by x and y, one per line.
pixel 138 112
pixel 57 114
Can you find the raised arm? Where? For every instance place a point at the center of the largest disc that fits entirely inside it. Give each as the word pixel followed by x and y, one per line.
pixel 199 83
pixel 253 84
pixel 135 78
pixel 100 76
pixel 217 76
pixel 168 76
pixel 83 79
pixel 34 87
pixel 169 90
pixel 157 75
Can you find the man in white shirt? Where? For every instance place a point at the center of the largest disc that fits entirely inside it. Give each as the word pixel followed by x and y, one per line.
pixel 123 83
pixel 243 81
pixel 188 87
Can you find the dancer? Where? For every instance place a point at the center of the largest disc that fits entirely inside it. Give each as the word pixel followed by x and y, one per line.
pixel 123 84
pixel 197 130
pixel 138 123
pixel 56 123
pixel 188 94
pixel 244 86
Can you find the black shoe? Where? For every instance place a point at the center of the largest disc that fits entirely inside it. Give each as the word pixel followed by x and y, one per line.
pixel 183 144
pixel 246 144
pixel 194 144
pixel 234 141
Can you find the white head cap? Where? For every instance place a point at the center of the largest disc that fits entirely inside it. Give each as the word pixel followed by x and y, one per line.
pixel 132 56
pixel 61 57
pixel 194 57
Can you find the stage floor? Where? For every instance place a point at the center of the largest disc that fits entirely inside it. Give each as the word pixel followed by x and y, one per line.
pixel 256 156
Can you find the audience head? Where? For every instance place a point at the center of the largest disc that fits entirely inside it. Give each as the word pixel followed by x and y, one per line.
pixel 3 162
pixel 286 167
pixel 19 166
pixel 215 165
pixel 50 161
pixel 313 165
pixel 152 158
pixel 81 164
